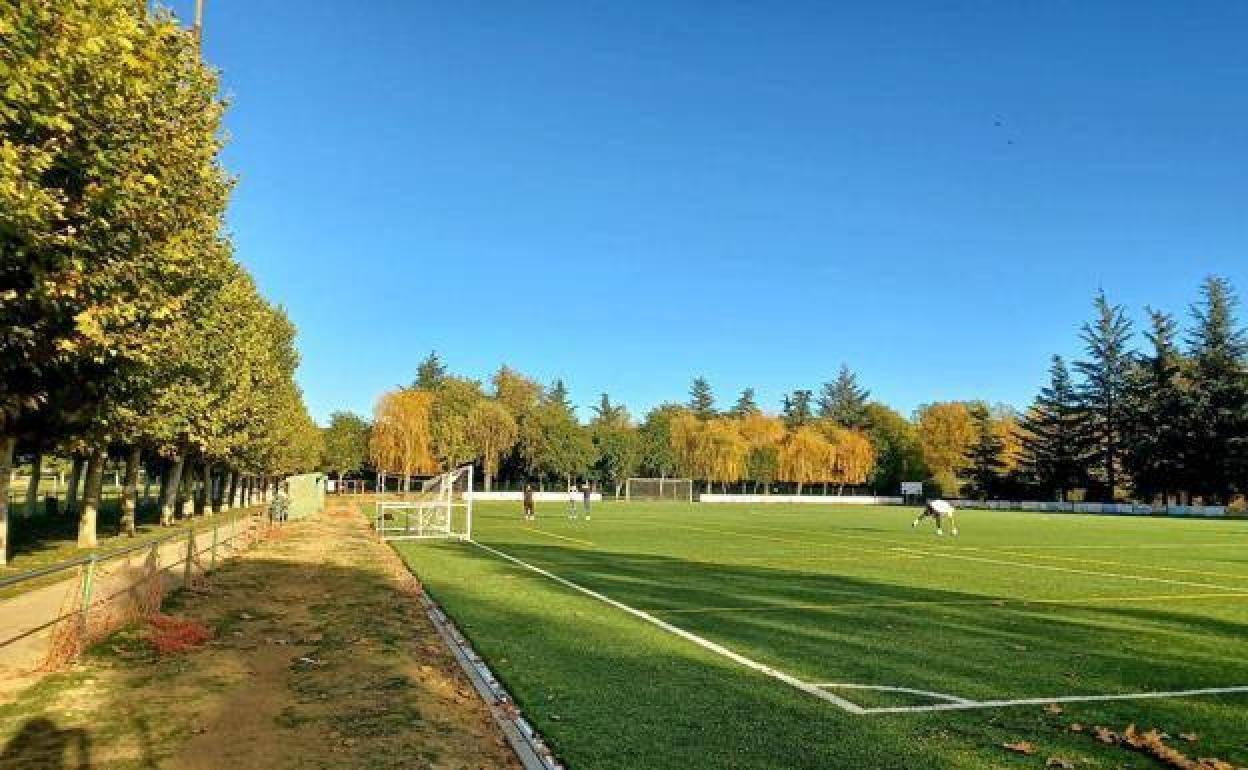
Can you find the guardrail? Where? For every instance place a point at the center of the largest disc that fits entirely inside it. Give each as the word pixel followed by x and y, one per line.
pixel 51 624
pixel 817 499
pixel 1116 509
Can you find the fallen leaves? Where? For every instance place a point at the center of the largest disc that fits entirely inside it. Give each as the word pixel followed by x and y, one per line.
pixel 1059 763
pixel 1021 747
pixel 1053 709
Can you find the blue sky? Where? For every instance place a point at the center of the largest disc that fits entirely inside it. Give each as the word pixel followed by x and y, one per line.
pixel 626 195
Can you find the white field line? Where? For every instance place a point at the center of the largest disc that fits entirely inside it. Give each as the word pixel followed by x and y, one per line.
pixel 988 704
pixel 889 688
pixel 1107 563
pixel 1072 570
pixel 552 534
pixel 706 644
pixel 1001 601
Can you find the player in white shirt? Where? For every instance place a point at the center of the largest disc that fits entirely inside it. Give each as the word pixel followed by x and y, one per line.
pixel 939 510
pixel 573 494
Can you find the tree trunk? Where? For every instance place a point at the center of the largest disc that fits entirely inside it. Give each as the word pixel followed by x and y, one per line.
pixel 799 487
pixel 488 479
pixel 71 489
pixel 8 443
pixel 206 495
pixel 171 483
pixel 130 491
pixel 91 500
pixel 147 487
pixel 32 490
pixel 228 481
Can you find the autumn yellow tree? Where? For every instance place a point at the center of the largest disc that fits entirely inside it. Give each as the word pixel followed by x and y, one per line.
pixel 492 431
pixel 805 457
pixel 763 435
pixel 853 455
pixel 401 441
pixel 946 433
pixel 721 451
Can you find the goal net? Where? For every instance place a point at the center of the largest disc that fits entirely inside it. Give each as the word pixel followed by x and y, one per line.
pixel 441 509
pixel 672 490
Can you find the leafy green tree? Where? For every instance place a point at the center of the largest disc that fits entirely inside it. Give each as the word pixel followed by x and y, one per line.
pixel 658 458
pixel 431 373
pixel 1103 393
pixel 701 399
pixel 1054 443
pixel 898 454
pixel 617 444
pixel 1218 350
pixel 453 401
pixel 557 396
pixel 553 445
pixel 985 461
pixel 346 443
pixel 518 393
pixel 607 413
pixel 1159 426
pixel 844 400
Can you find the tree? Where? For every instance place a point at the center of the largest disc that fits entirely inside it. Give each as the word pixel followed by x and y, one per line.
pixel 852 456
pixel 1054 443
pixel 401 439
pixel 346 443
pixel 606 413
pixel 431 372
pixel 553 445
pixel 1159 426
pixel 449 432
pixel 492 431
pixel 720 451
pixel 518 393
pixel 746 405
pixel 1103 394
pixel 985 460
pixel 898 455
pixel 701 399
pixel 658 455
pixel 844 401
pixel 618 446
pixel 797 408
pixel 805 457
pixel 1218 349
pixel 946 433
pixel 557 396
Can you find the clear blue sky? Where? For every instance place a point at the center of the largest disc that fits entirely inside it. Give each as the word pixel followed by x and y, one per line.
pixel 628 194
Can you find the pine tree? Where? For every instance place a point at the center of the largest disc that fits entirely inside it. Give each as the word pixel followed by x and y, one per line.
pixel 1158 438
pixel 1103 394
pixel 1054 448
pixel 844 400
pixel 986 457
pixel 701 399
pixel 1220 383
pixel 746 405
pixel 797 408
pixel 431 373
pixel 557 395
pixel 607 413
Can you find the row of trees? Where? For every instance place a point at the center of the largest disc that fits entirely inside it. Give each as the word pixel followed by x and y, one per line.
pixel 130 332
pixel 1169 421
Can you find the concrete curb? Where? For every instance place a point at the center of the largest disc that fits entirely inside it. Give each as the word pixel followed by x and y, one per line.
pixel 529 747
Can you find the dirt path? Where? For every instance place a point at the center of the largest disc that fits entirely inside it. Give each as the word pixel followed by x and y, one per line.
pixel 322 658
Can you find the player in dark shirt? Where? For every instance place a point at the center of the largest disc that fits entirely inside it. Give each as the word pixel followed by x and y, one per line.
pixel 529 515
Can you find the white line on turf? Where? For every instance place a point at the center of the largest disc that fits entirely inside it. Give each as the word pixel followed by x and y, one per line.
pixel 987 704
pixel 1072 570
pixel 889 688
pixel 706 644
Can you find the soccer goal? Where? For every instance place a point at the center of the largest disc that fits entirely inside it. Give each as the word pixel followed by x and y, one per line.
pixel 441 509
pixel 671 490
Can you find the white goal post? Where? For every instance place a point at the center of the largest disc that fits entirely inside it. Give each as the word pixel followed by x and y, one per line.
pixel 672 490
pixel 441 509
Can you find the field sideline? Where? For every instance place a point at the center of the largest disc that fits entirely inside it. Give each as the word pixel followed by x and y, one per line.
pixel 780 636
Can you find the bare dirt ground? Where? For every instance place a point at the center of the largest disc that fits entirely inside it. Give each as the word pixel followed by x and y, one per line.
pixel 321 658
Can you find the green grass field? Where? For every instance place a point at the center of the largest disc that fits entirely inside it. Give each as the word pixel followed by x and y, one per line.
pixel 1020 606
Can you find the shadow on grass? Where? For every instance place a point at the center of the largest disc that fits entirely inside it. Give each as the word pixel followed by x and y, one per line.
pixel 878 633
pixel 41 744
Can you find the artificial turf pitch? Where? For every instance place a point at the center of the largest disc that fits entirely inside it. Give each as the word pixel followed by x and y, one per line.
pixel 1020 606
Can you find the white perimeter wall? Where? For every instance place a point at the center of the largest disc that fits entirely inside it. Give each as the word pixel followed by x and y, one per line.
pixel 538 497
pixel 824 499
pixel 1120 509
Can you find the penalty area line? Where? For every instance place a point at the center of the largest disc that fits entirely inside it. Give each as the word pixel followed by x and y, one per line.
pixel 990 704
pixel 689 636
